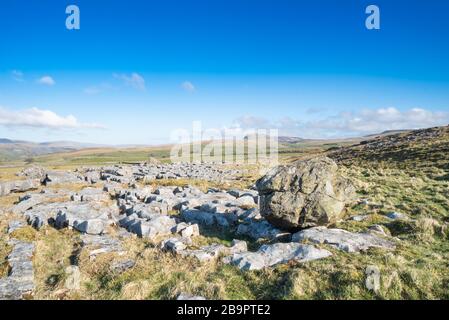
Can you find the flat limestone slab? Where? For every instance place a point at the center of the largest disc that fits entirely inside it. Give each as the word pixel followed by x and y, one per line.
pixel 278 253
pixel 342 239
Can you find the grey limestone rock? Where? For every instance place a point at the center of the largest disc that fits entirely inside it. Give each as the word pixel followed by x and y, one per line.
pixel 342 239
pixel 305 194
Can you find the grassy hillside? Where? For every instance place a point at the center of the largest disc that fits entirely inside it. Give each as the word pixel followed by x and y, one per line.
pixel 288 149
pixel 426 148
pixel 406 172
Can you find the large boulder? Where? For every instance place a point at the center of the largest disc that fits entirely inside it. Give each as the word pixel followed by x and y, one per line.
pixel 305 194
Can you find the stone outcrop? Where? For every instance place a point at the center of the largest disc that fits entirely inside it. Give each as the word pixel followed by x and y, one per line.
pixel 20 281
pixel 18 186
pixel 180 246
pixel 261 229
pixel 97 244
pixel 303 195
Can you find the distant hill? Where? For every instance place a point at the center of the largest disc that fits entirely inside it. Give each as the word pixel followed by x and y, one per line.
pixel 386 133
pixel 11 150
pixel 285 139
pixel 398 145
pixel 6 141
pixel 424 148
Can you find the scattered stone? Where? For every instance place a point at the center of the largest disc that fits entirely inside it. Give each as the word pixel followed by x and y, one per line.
pixel 246 201
pixel 372 281
pixel 342 239
pixel 73 275
pixel 191 231
pixel 90 194
pixel 92 176
pixel 261 230
pixel 360 218
pixel 122 266
pixel 174 245
pixel 364 201
pixel 29 201
pixel 113 188
pixel 151 227
pixel 238 246
pixel 101 244
pixel 279 253
pixel 377 229
pixel 209 219
pixel 91 226
pixel 84 217
pixel 397 216
pixel 40 214
pixel 33 172
pixel 306 194
pixel 206 253
pixel 151 171
pixel 186 296
pixel 58 177
pixel 15 225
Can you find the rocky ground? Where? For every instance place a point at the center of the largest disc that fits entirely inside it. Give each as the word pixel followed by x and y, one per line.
pixel 305 230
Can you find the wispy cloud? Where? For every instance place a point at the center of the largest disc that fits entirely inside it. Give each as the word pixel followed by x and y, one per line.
pixel 46 80
pixel 92 90
pixel 188 86
pixel 134 80
pixel 350 123
pixel 39 118
pixel 17 75
pixel 252 122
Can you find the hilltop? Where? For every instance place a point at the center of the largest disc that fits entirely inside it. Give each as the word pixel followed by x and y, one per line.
pixel 12 150
pixel 422 148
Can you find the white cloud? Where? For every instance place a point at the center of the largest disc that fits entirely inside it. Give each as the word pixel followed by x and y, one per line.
pixel 17 75
pixel 38 118
pixel 378 120
pixel 134 80
pixel 347 124
pixel 47 80
pixel 188 86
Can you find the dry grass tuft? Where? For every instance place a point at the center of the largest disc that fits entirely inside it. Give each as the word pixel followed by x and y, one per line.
pixel 5 249
pixel 27 234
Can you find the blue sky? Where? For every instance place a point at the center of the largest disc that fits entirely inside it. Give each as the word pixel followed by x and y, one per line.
pixel 137 70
